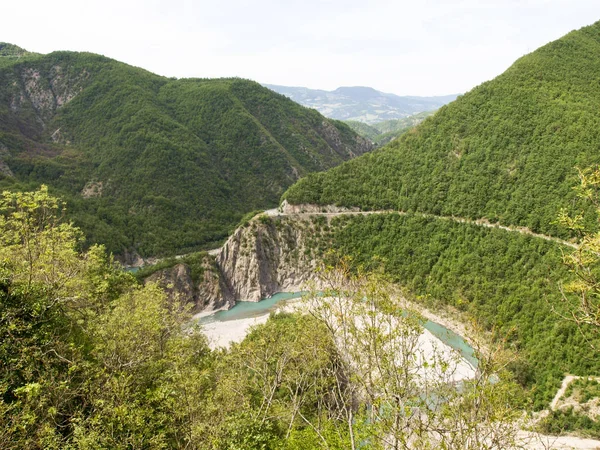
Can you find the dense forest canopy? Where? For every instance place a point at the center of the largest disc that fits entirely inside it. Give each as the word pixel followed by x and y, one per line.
pixel 505 151
pixel 90 358
pixel 153 164
pixel 507 281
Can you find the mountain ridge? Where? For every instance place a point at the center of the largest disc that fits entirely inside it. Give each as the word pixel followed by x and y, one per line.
pixel 506 151
pixel 152 164
pixel 361 103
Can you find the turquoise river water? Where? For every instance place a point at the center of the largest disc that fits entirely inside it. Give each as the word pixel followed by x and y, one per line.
pixel 244 310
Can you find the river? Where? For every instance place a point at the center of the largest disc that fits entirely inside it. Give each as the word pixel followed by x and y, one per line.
pixel 246 311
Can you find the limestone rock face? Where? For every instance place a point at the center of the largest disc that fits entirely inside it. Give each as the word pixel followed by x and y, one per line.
pixel 212 292
pixel 268 255
pixel 45 91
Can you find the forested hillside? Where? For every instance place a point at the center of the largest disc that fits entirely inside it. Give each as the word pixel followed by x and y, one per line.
pixel 507 281
pixel 153 164
pixel 89 359
pixel 506 151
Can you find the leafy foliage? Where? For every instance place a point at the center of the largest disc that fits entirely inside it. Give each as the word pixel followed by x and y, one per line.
pixel 568 420
pixel 87 358
pixel 584 389
pixel 90 359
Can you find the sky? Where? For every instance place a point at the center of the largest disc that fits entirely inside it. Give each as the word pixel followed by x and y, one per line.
pixel 419 47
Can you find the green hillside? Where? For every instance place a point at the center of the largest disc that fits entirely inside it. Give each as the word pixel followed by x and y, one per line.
pixel 365 130
pixel 149 163
pixel 508 281
pixel 505 151
pixel 10 53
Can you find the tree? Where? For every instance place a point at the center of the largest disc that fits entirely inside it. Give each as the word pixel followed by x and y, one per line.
pixel 582 295
pixel 280 386
pixel 88 358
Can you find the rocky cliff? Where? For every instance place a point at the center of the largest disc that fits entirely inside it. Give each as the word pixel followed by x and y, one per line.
pixel 269 254
pixel 272 254
pixel 35 94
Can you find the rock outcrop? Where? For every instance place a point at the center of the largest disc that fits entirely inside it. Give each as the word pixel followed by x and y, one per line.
pixel 45 91
pixel 131 259
pixel 212 292
pixel 269 255
pixel 176 282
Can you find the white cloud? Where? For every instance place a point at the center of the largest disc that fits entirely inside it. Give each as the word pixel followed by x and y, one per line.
pixel 406 47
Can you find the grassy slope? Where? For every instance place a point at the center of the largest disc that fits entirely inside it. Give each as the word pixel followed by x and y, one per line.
pixel 180 160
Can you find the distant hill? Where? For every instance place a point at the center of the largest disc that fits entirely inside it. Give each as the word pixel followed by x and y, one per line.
pixel 363 104
pixel 9 53
pixel 152 164
pixel 382 133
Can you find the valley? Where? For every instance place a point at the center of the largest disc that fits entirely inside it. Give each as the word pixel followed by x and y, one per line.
pixel 280 251
pixel 449 271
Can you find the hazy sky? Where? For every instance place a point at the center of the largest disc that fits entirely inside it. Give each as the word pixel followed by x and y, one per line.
pixel 418 47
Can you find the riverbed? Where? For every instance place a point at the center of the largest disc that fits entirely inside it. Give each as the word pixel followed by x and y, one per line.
pixel 227 326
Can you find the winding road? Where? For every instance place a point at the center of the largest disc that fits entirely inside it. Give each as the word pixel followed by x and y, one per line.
pixel 478 222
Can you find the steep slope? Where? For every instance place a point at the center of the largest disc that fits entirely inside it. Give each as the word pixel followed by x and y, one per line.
pixel 363 104
pixel 152 164
pixel 505 151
